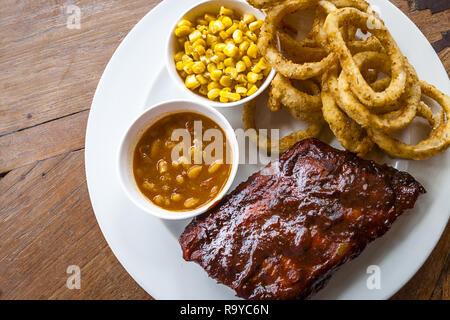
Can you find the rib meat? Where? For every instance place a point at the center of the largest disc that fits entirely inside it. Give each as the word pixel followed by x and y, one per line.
pixel 283 232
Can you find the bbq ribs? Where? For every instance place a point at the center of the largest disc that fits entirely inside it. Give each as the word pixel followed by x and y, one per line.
pixel 283 232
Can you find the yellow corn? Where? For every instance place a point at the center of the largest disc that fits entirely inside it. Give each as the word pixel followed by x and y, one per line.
pixel 179 65
pixel 255 25
pixel 248 18
pixel 241 90
pixel 202 22
pixel 226 81
pixel 241 66
pixel 195 36
pixel 182 31
pixel 223 35
pixel 220 59
pixel 192 82
pixel 251 36
pixel 226 12
pixel 238 36
pixel 252 90
pixel 252 77
pixel 243 26
pixel 252 51
pixel 232 29
pixel 231 50
pixel 213 94
pixel 199 50
pixel 228 62
pixel 199 42
pixel 186 58
pixel 247 61
pixel 188 67
pixel 203 90
pixel 203 81
pixel 216 26
pixel 219 47
pixel 184 22
pixel 232 72
pixel 227 22
pixel 214 85
pixel 230 96
pixel 242 79
pixel 216 75
pixel 211 40
pixel 211 67
pixel 179 56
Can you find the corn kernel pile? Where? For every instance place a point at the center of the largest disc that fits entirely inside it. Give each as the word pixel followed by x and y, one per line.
pixel 218 57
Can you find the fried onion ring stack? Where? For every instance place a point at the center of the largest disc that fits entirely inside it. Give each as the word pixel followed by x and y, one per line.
pixel 349 73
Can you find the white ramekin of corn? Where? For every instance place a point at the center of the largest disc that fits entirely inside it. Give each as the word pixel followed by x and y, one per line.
pixel 212 53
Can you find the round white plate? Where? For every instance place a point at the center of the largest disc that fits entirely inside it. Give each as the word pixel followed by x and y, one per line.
pixel 148 248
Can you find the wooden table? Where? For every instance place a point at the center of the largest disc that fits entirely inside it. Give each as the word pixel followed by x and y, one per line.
pixel 48 75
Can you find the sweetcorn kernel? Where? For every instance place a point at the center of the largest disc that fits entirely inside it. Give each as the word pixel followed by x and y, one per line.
pixel 255 25
pixel 216 75
pixel 241 66
pixel 213 94
pixel 248 18
pixel 179 56
pixel 228 62
pixel 216 26
pixel 214 85
pixel 195 36
pixel 184 22
pixel 226 12
pixel 226 81
pixel 227 22
pixel 231 50
pixel 252 51
pixel 252 90
pixel 192 82
pixel 252 77
pixel 247 61
pixel 182 31
pixel 238 36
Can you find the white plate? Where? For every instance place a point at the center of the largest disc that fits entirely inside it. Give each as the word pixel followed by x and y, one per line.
pixel 148 248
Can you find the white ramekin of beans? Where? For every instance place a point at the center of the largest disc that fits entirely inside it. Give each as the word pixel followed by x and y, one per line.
pixel 178 159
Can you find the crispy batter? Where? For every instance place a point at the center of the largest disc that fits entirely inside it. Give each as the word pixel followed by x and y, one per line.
pixel 437 141
pixel 358 85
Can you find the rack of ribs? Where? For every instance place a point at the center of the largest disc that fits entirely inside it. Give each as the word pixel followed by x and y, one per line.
pixel 283 232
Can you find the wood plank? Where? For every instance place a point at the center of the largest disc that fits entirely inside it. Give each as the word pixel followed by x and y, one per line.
pixel 43 141
pixel 49 224
pixel 433 5
pixel 48 71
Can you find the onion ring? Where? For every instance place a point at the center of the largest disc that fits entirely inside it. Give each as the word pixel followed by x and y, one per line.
pixel 284 66
pixel 264 4
pixel 358 85
pixel 395 120
pixel 248 117
pixel 297 51
pixel 437 141
pixel 301 105
pixel 350 134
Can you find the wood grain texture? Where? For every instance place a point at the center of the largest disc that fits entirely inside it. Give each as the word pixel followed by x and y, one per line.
pixel 48 75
